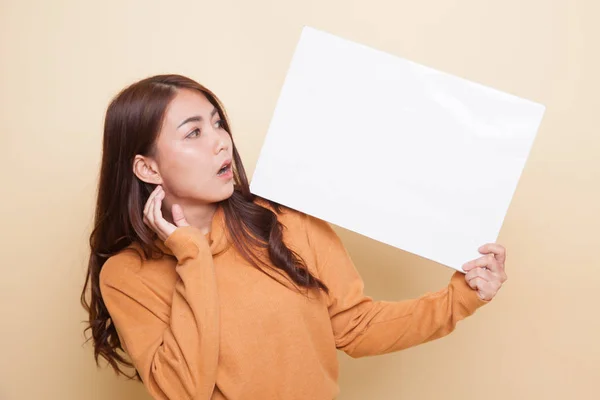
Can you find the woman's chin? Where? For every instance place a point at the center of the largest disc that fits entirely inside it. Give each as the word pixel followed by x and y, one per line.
pixel 214 195
pixel 228 190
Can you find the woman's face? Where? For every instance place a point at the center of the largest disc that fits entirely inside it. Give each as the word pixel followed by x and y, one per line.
pixel 191 149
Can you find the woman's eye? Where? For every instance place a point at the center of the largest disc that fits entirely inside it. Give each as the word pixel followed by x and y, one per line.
pixel 194 133
pixel 219 124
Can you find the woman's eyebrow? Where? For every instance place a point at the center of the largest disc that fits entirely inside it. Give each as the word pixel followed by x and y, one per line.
pixel 196 118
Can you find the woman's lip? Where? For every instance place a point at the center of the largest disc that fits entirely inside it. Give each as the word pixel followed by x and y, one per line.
pixel 226 175
pixel 226 163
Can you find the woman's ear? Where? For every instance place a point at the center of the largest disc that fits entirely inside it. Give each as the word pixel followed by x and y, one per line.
pixel 146 170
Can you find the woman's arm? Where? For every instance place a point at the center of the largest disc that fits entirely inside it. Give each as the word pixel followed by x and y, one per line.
pixel 175 351
pixel 364 327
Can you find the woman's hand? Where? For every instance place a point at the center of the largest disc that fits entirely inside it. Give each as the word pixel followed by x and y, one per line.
pixel 153 215
pixel 486 274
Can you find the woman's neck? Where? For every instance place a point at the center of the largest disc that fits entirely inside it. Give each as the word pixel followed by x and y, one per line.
pixel 197 215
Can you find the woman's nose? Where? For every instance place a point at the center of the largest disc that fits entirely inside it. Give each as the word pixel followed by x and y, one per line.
pixel 220 145
pixel 220 142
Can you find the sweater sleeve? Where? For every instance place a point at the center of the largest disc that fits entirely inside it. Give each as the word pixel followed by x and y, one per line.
pixel 174 350
pixel 363 327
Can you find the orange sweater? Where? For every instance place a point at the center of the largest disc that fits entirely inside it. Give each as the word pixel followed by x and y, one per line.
pixel 201 323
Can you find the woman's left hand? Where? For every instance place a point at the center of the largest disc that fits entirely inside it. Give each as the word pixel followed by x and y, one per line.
pixel 486 274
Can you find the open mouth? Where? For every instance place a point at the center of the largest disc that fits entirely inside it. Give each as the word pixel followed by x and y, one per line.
pixel 225 169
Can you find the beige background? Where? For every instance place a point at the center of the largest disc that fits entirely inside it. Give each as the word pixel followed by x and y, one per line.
pixel 61 61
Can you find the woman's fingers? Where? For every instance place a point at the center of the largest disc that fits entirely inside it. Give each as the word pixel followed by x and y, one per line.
pixel 149 212
pixel 488 261
pixel 162 227
pixel 486 282
pixel 159 221
pixel 178 216
pixel 482 273
pixel 486 274
pixel 150 199
pixel 153 216
pixel 482 287
pixel 475 283
pixel 486 290
pixel 496 249
pixel 149 207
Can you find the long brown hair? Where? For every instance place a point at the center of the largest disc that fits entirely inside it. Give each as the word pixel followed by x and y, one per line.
pixel 132 123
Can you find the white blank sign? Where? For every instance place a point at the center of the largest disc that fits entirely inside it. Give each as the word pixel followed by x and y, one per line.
pixel 399 152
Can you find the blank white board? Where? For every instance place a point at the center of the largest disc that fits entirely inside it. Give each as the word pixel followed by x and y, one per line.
pixel 399 152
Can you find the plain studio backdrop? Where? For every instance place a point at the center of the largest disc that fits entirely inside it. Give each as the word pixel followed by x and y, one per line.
pixel 62 61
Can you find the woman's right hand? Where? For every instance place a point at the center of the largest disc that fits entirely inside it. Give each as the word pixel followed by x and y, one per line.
pixel 153 215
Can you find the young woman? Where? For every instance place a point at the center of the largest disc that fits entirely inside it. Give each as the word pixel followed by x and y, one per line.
pixel 210 292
